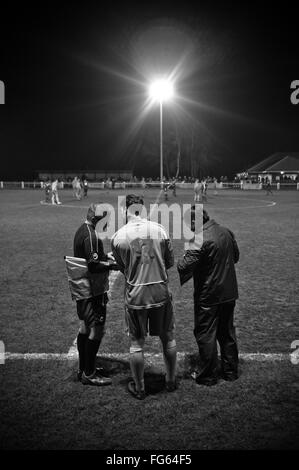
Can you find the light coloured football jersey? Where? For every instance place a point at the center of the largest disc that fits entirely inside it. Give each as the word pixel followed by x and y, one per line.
pixel 144 253
pixel 55 185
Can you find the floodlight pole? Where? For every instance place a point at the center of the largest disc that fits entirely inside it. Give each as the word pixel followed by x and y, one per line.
pixel 161 143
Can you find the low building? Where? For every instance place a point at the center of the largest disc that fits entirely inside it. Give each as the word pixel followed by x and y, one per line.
pixel 279 167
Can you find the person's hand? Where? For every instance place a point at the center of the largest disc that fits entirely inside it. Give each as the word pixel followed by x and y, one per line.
pixel 114 267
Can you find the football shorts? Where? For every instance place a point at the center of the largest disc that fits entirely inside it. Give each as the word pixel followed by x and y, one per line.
pixel 158 321
pixel 93 310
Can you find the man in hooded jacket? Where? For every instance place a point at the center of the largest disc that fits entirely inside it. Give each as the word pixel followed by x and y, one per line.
pixel 215 292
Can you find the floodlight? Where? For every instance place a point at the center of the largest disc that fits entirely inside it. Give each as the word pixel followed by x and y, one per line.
pixel 161 90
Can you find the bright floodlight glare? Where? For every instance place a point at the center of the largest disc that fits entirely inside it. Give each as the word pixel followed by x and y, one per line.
pixel 161 90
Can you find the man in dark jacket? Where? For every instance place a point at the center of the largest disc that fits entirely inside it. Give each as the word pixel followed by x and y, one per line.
pixel 215 293
pixel 92 310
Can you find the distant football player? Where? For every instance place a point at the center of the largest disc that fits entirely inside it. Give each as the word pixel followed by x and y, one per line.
pixel 54 188
pixel 74 184
pixel 92 311
pixel 204 190
pixel 268 188
pixel 143 183
pixel 215 292
pixel 78 189
pixel 144 253
pixel 172 185
pixel 165 190
pixel 85 187
pixel 197 190
pixel 47 187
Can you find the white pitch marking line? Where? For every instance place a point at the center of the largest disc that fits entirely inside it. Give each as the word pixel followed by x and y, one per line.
pixel 261 357
pixel 249 207
pixel 268 204
pixel 63 205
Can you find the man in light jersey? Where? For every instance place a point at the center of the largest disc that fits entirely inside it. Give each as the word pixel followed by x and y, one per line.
pixel 143 252
pixel 54 188
pixel 197 190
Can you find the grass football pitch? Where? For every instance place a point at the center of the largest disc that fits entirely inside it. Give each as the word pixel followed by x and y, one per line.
pixel 39 396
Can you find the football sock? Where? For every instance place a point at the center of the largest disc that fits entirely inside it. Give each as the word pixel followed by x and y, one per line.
pixel 91 349
pixel 81 341
pixel 137 369
pixel 169 354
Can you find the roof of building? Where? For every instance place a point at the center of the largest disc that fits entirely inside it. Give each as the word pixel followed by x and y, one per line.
pixel 280 161
pixel 286 164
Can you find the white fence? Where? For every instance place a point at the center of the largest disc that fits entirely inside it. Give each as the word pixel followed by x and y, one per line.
pixel 154 184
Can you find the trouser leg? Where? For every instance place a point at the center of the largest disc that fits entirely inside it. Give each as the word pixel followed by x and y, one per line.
pixel 226 336
pixel 205 332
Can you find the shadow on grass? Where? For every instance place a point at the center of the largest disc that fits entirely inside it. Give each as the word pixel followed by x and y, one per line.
pixel 154 382
pixel 154 376
pixel 113 366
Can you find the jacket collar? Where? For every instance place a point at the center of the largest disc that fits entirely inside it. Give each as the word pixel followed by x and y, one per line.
pixel 209 224
pixel 87 222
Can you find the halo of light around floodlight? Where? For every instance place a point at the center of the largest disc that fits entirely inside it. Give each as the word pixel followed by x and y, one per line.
pixel 161 90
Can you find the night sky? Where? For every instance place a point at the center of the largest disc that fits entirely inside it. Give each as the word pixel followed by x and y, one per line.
pixel 73 77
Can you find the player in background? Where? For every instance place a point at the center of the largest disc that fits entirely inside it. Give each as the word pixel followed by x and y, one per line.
pixel 74 184
pixel 197 190
pixel 108 183
pixel 92 311
pixel 204 190
pixel 164 188
pixel 54 188
pixel 166 191
pixel 85 187
pixel 268 188
pixel 174 188
pixel 47 187
pixel 143 252
pixel 172 185
pixel 78 189
pixel 143 183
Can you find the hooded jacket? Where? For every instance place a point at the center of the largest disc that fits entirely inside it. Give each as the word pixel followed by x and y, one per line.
pixel 212 266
